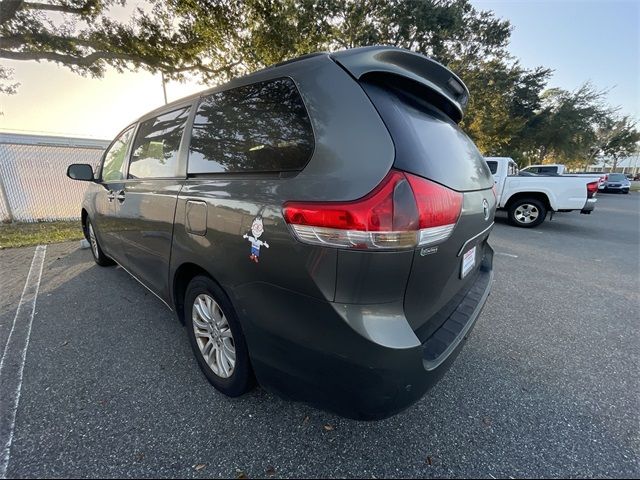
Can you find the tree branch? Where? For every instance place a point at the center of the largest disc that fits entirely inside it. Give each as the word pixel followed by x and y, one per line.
pixel 57 8
pixel 93 58
pixel 9 8
pixel 16 41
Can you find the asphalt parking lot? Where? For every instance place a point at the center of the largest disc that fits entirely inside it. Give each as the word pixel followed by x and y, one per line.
pixel 548 384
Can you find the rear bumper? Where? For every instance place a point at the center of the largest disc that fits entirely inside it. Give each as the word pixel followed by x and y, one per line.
pixel 589 206
pixel 350 359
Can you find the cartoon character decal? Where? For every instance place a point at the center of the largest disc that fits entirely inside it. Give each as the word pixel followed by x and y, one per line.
pixel 257 230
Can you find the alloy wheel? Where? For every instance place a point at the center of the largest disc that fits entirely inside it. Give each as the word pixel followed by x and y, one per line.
pixel 93 241
pixel 526 213
pixel 213 335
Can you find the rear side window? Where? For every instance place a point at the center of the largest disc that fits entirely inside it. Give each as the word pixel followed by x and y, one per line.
pixel 112 168
pixel 262 127
pixel 427 142
pixel 155 150
pixel 493 167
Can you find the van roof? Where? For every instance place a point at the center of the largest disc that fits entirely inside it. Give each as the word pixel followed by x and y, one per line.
pixel 359 62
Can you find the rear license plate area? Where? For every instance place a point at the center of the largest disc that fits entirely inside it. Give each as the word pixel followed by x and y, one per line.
pixel 468 262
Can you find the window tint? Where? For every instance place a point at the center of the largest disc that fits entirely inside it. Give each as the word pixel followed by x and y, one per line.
pixel 155 150
pixel 262 127
pixel 493 166
pixel 113 166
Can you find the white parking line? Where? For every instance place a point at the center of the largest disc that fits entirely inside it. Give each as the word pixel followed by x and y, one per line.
pixel 507 254
pixel 14 355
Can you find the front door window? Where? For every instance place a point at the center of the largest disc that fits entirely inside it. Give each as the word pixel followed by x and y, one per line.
pixel 113 167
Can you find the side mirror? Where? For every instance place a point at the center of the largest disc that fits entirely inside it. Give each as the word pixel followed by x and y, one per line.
pixel 80 171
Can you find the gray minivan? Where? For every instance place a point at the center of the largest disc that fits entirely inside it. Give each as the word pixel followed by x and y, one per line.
pixel 320 226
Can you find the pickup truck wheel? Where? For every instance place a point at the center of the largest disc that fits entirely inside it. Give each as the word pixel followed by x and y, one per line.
pixel 98 255
pixel 216 337
pixel 527 213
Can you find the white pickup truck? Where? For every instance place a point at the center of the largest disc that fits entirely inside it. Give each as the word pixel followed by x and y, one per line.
pixel 528 199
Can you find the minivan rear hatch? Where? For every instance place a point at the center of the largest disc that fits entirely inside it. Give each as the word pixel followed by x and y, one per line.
pixel 421 102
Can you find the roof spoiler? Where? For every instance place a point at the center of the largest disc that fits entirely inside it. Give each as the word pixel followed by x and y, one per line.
pixel 410 65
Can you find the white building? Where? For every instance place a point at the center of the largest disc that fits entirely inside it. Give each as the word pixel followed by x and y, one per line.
pixel 625 165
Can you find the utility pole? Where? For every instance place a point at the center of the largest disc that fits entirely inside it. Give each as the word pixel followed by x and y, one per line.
pixel 164 87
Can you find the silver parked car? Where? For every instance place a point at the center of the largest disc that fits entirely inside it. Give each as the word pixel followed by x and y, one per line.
pixel 616 182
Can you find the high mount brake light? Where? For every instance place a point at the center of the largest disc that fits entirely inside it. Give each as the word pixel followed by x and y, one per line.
pixel 404 211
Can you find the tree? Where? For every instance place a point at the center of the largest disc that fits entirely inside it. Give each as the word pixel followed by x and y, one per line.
pixel 565 126
pixel 221 38
pixel 84 36
pixel 504 103
pixel 620 137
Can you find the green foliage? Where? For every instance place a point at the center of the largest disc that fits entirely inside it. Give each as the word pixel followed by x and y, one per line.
pixel 505 99
pixel 222 38
pixel 617 138
pixel 84 36
pixel 577 127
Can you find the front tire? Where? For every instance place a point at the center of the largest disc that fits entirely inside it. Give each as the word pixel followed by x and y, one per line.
pixel 98 255
pixel 216 337
pixel 527 212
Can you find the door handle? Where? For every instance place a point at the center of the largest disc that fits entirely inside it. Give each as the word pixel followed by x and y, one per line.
pixel 120 196
pixel 111 196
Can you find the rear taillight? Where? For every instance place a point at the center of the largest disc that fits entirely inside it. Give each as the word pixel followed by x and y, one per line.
pixel 592 189
pixel 404 211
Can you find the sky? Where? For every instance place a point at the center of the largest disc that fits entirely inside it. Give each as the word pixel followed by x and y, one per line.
pixel 597 41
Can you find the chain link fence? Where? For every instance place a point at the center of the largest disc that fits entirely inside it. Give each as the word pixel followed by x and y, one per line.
pixel 33 176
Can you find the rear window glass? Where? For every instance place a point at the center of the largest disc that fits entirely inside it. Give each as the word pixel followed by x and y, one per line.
pixel 155 150
pixel 262 127
pixel 493 166
pixel 427 142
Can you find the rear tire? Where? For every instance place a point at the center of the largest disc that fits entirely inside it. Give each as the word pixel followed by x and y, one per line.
pixel 98 255
pixel 216 337
pixel 527 212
